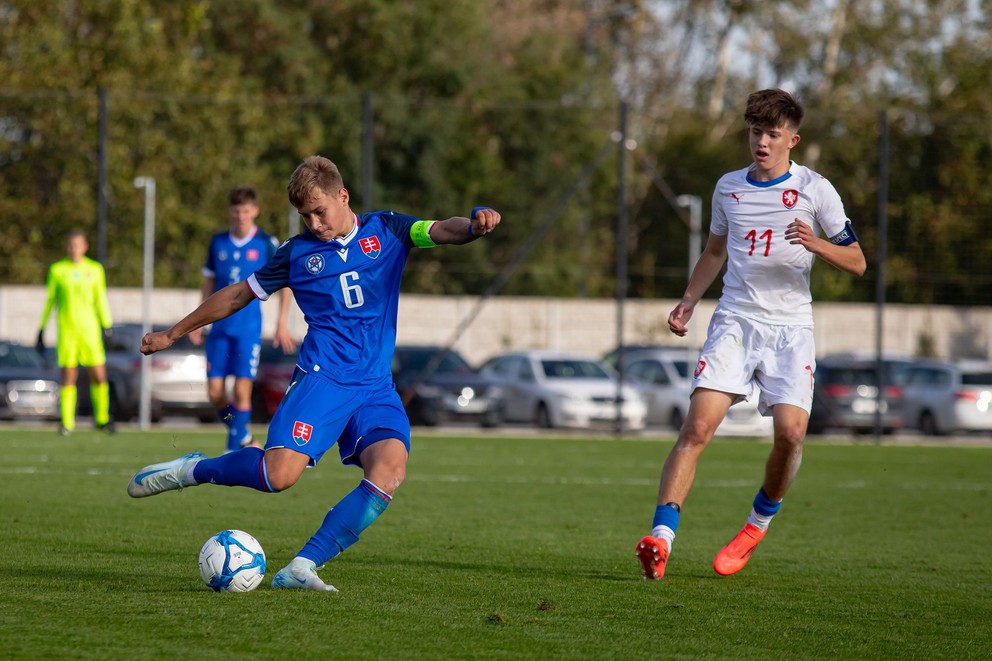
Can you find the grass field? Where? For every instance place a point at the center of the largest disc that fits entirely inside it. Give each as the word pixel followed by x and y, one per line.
pixel 509 548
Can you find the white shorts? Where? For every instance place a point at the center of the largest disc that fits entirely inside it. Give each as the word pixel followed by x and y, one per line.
pixel 741 354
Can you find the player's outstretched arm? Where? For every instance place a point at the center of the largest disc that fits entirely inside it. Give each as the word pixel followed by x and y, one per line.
pixel 459 230
pixel 220 305
pixel 705 271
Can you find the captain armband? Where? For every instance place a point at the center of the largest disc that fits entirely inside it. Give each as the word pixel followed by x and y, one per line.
pixel 845 237
pixel 420 234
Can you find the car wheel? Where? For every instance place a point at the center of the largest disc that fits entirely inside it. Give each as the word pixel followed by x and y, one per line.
pixel 542 418
pixel 492 419
pixel 676 419
pixel 928 424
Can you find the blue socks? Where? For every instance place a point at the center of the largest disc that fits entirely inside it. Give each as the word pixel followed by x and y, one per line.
pixel 244 468
pixel 665 523
pixel 345 522
pixel 237 427
pixel 236 422
pixel 763 509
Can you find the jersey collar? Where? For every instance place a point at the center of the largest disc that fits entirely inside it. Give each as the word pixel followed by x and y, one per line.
pixel 769 184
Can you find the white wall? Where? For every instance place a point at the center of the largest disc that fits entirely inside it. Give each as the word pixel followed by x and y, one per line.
pixel 587 325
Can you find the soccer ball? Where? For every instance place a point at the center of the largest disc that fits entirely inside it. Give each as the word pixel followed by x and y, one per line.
pixel 232 561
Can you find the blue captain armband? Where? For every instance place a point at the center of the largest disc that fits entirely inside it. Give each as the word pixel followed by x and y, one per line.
pixel 845 237
pixel 420 234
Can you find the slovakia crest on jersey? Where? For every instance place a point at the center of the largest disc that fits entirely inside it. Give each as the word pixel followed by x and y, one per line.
pixel 315 264
pixel 370 246
pixel 302 432
pixel 251 255
pixel 790 197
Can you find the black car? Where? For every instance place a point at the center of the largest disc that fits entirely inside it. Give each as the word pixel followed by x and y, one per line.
pixel 846 394
pixel 28 387
pixel 438 385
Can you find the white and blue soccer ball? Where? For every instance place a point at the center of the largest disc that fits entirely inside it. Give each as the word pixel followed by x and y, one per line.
pixel 232 561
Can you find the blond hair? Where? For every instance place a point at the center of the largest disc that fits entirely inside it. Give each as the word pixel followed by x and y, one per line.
pixel 313 174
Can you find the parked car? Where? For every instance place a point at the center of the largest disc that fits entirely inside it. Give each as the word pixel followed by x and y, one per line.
pixel 28 387
pixel 846 394
pixel 275 371
pixel 661 375
pixel 562 389
pixel 940 397
pixel 451 391
pixel 662 379
pixel 178 377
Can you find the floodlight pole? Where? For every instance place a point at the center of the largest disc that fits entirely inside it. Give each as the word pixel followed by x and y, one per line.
pixel 145 404
pixel 621 266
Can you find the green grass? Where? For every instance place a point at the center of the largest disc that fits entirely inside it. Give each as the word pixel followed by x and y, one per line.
pixel 510 548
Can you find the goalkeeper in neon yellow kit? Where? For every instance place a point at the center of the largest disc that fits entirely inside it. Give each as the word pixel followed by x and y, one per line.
pixel 77 287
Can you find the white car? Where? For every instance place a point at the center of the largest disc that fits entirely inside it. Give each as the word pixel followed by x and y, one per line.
pixel 941 397
pixel 563 389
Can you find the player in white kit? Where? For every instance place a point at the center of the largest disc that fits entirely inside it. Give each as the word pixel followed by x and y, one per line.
pixel 767 223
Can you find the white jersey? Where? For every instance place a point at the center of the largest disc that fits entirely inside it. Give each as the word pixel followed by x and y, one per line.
pixel 767 277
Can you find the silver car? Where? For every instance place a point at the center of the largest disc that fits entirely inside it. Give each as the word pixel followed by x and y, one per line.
pixel 28 387
pixel 941 397
pixel 662 375
pixel 563 389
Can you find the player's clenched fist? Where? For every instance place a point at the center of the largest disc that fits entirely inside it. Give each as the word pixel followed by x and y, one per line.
pixel 156 341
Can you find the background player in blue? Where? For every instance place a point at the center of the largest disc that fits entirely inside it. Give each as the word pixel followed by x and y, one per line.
pixel 234 343
pixel 345 272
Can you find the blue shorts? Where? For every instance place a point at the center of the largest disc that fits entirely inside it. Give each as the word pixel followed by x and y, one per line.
pixel 230 355
pixel 316 413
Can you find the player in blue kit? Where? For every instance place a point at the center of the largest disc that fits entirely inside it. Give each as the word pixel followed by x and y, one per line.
pixel 234 343
pixel 345 273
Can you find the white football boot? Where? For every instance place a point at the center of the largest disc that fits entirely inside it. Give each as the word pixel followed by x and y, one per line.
pixel 166 476
pixel 300 574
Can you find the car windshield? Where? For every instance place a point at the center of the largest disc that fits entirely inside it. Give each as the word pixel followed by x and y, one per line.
pixel 17 356
pixel 572 369
pixel 416 360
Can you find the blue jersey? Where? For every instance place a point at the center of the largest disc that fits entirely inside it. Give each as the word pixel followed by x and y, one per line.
pixel 349 291
pixel 231 260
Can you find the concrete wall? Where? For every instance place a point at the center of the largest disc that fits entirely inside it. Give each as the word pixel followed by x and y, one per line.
pixel 587 325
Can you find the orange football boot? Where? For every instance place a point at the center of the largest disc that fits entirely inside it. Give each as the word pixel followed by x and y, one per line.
pixel 732 557
pixel 653 554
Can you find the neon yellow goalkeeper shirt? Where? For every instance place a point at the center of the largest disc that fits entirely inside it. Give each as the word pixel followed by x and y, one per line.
pixel 79 291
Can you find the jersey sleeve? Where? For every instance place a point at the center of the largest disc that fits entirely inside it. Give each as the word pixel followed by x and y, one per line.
pixel 102 304
pixel 50 286
pixel 830 214
pixel 401 225
pixel 718 216
pixel 274 275
pixel 210 266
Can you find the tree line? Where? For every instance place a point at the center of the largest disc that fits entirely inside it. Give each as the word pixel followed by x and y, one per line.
pixel 511 103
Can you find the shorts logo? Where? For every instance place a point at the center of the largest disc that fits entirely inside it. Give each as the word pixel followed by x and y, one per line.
pixel 370 246
pixel 790 197
pixel 302 432
pixel 315 264
pixel 700 366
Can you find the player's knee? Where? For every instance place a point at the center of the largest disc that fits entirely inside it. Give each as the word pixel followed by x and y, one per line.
pixel 695 434
pixel 791 437
pixel 280 479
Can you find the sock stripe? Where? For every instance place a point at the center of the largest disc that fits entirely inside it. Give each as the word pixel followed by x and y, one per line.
pixel 263 474
pixel 376 491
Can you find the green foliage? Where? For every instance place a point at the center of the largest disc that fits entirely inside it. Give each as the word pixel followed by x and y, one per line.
pixel 879 552
pixel 489 102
